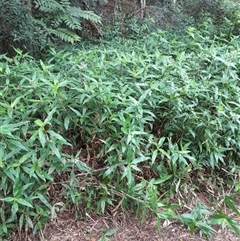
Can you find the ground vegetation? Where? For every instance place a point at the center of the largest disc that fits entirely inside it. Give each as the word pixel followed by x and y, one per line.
pixel 145 121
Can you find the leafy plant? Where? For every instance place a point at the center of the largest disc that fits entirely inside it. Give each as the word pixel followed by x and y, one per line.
pixel 16 26
pixel 108 233
pixel 197 218
pixel 35 25
pixel 127 123
pixel 225 220
pixel 66 20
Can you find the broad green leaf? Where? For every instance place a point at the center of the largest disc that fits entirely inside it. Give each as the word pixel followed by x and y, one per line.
pixel 42 137
pixel 237 188
pixel 1 157
pixel 161 141
pixel 8 199
pixel 140 159
pixel 26 186
pixel 162 179
pixel 8 128
pixel 165 153
pixel 154 155
pixel 9 171
pixel 19 144
pixel 29 222
pixel 110 170
pixel 230 202
pixel 39 123
pixel 50 116
pixel 111 231
pixel 219 219
pixel 75 111
pixel 7 69
pixel 54 149
pixel 15 102
pixel 102 205
pixel 136 168
pixel 66 122
pixel 25 157
pixel 112 147
pixel 24 202
pixel 44 200
pixel 54 136
pixel 21 219
pixel 14 209
pixel 83 166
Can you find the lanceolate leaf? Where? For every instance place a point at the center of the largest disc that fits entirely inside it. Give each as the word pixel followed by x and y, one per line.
pixel 24 202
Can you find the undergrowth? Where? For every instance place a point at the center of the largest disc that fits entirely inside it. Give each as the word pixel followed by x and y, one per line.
pixel 144 125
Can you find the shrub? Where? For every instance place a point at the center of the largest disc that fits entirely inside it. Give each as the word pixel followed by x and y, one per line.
pixel 33 28
pixel 130 123
pixel 16 26
pixel 196 9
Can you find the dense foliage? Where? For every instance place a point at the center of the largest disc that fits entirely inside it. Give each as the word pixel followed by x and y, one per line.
pixel 15 25
pixel 36 24
pixel 131 123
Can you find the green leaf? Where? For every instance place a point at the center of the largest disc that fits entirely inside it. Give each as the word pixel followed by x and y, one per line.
pixel 24 202
pixel 25 157
pixel 55 136
pixel 21 219
pixel 66 35
pixel 15 102
pixel 83 166
pixel 9 172
pixel 29 222
pixel 164 153
pixel 66 122
pixel 41 137
pixel 154 155
pixel 224 220
pixel 75 111
pixel 110 170
pixel 44 200
pixel 162 179
pixel 39 123
pixel 161 141
pixel 112 147
pixel 14 209
pixel 18 144
pixel 6 129
pixel 140 159
pixel 102 239
pixel 8 199
pixel 102 205
pixel 54 149
pixel 230 202
pixel 237 187
pixel 192 227
pixel 1 157
pixel 50 116
pixel 111 232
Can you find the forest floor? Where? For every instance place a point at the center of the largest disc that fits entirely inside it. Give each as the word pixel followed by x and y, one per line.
pixel 123 227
